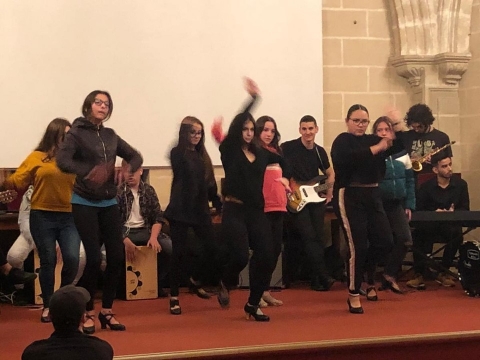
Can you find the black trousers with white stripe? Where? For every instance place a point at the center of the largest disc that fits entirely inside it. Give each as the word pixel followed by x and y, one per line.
pixel 365 226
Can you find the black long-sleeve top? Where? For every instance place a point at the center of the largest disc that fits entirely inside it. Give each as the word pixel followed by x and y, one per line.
pixel 431 196
pixel 244 179
pixel 354 162
pixel 189 191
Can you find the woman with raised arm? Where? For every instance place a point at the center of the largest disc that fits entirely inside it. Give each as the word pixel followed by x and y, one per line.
pixel 89 152
pixel 193 179
pixel 51 217
pixel 244 223
pixel 359 163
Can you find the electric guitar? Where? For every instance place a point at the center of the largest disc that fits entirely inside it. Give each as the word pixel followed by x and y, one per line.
pixel 305 193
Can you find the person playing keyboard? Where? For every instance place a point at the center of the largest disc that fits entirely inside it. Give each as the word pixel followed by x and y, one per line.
pixel 445 192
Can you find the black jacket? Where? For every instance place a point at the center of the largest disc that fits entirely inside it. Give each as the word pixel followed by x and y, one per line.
pixel 87 145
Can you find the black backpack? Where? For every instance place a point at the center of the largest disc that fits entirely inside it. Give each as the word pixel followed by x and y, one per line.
pixel 469 267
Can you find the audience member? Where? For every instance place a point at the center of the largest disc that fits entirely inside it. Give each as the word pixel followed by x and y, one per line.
pixel 67 312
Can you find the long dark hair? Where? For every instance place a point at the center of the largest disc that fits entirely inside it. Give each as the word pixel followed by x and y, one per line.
pixel 87 103
pixel 184 143
pixel 235 132
pixel 260 125
pixel 53 137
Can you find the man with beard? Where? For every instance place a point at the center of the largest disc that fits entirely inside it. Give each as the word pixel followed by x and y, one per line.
pixel 444 192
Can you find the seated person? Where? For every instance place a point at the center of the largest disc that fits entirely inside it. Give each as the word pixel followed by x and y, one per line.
pixel 444 192
pixel 14 275
pixel 142 221
pixel 24 244
pixel 67 311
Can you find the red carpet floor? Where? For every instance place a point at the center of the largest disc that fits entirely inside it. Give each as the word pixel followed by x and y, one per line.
pixel 305 316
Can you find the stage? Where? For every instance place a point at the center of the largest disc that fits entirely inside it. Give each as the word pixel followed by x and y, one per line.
pixel 436 323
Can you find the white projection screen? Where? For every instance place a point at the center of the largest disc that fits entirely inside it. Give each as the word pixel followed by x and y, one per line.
pixel 161 60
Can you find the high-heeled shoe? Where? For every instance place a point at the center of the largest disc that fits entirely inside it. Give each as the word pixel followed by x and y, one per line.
pixel 270 300
pixel 354 310
pixel 252 311
pixel 392 285
pixel 198 290
pixel 45 318
pixel 223 296
pixel 370 296
pixel 175 308
pixel 89 330
pixel 106 320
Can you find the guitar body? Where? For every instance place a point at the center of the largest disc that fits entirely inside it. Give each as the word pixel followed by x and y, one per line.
pixel 305 193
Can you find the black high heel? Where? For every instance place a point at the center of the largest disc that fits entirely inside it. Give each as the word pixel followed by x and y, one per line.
pixel 372 297
pixel 223 296
pixel 105 320
pixel 386 284
pixel 251 311
pixel 198 290
pixel 89 330
pixel 354 310
pixel 175 308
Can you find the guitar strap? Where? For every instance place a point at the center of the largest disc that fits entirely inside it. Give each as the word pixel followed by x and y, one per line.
pixel 321 162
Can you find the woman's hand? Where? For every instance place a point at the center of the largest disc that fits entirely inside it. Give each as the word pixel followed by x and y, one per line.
pixel 285 183
pixel 251 86
pixel 154 244
pixel 217 129
pixel 408 212
pixel 130 249
pixel 99 174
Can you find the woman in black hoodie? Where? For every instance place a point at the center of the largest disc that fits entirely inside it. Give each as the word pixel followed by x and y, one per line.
pixel 89 151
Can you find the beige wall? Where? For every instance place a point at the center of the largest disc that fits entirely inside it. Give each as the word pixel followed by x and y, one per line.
pixel 469 92
pixel 356 47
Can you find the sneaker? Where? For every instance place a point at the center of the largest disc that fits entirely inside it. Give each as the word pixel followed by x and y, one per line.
pixel 18 276
pixel 417 282
pixel 445 280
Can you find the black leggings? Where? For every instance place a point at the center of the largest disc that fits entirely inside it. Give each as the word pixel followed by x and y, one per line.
pixel 201 266
pixel 97 226
pixel 275 222
pixel 245 228
pixel 366 228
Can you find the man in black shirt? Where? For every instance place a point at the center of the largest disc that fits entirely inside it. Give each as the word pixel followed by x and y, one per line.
pixel 304 158
pixel 67 311
pixel 445 192
pixel 423 138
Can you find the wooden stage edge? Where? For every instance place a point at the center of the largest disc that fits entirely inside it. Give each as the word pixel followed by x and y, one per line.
pixel 319 348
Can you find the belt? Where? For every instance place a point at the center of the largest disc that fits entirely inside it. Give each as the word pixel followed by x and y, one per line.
pixel 233 199
pixel 358 185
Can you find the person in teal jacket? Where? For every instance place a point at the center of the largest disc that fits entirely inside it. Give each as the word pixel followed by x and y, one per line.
pixel 398 195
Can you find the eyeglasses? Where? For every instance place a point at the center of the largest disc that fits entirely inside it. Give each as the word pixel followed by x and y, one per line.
pixel 195 133
pixel 99 102
pixel 361 122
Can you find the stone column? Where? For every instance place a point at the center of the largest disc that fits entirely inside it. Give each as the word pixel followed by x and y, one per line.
pixel 431 50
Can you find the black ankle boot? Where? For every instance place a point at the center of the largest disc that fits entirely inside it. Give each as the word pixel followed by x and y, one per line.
pixel 319 284
pixel 175 308
pixel 251 311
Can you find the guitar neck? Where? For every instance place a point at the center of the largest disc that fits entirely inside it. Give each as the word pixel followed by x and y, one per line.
pixel 321 187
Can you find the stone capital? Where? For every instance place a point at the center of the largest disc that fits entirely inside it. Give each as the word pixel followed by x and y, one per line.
pixel 451 67
pixel 411 67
